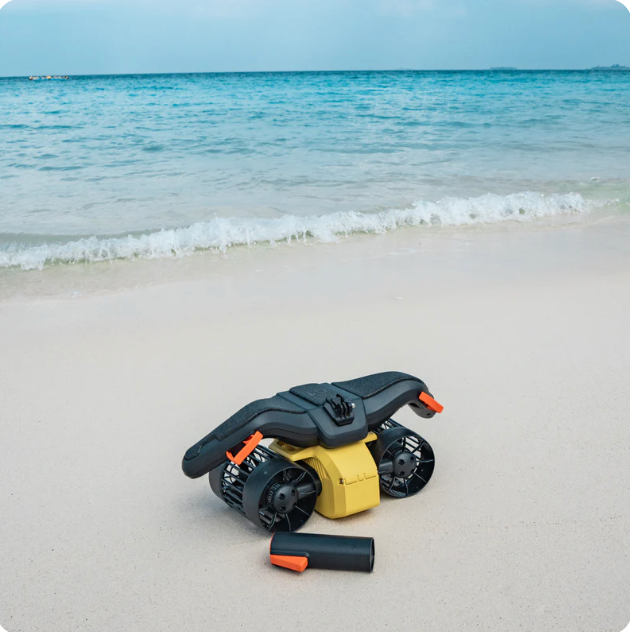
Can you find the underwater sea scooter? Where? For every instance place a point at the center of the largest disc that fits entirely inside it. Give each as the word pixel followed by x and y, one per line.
pixel 335 449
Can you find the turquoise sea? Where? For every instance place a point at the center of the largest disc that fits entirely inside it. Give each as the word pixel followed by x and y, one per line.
pixel 108 167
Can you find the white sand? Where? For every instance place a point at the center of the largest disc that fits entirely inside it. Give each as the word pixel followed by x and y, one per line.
pixel 521 334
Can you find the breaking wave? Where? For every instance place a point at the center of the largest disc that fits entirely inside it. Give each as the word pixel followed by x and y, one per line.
pixel 223 233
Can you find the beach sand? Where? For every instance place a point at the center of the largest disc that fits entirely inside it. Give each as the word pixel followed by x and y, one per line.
pixel 110 376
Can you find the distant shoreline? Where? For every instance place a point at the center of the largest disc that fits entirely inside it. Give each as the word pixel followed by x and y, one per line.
pixel 613 68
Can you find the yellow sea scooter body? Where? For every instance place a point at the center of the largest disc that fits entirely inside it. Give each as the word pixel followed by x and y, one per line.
pixel 348 475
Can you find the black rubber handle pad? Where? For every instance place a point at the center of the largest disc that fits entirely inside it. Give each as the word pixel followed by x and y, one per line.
pixel 332 552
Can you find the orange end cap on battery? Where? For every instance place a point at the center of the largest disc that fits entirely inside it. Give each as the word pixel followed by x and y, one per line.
pixel 430 403
pixel 249 446
pixel 292 562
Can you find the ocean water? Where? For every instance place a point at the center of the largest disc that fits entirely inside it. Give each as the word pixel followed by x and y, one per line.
pixel 108 167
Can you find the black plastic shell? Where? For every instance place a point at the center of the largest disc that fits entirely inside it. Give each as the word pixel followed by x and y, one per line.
pixel 331 552
pixel 303 422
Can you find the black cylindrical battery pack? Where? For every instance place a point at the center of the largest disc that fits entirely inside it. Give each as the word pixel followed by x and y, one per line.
pixel 298 551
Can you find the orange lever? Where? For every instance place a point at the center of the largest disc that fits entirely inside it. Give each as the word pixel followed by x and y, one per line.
pixel 249 446
pixel 430 403
pixel 292 562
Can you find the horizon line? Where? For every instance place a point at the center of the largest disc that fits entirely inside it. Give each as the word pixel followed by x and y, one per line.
pixel 260 72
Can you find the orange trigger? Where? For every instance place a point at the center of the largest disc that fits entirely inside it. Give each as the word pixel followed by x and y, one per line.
pixel 430 403
pixel 249 446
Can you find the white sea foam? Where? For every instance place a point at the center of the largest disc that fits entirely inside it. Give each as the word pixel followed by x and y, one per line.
pixel 223 233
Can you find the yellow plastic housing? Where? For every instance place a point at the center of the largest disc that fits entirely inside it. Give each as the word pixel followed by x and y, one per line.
pixel 349 476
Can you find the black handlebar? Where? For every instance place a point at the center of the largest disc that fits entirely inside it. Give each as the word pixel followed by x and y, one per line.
pixel 332 415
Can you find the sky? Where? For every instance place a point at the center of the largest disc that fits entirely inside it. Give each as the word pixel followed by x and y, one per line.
pixel 73 37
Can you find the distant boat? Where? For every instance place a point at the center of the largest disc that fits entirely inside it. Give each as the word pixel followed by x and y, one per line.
pixel 614 67
pixel 503 68
pixel 47 77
